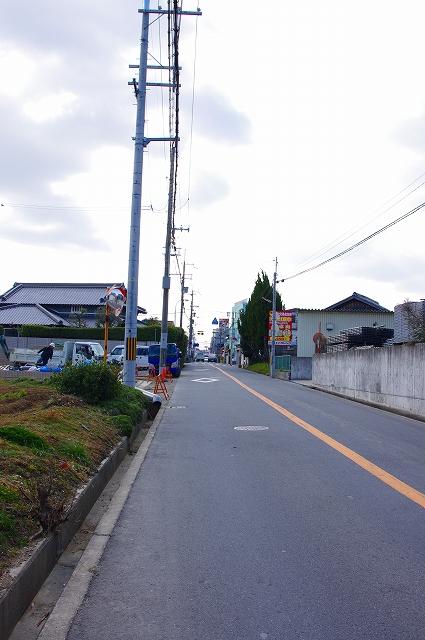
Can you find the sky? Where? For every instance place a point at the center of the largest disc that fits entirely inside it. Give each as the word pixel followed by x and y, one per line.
pixel 302 131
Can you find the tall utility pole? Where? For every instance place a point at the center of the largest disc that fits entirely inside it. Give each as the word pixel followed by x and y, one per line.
pixel 182 293
pixel 190 341
pixel 273 349
pixel 166 281
pixel 129 372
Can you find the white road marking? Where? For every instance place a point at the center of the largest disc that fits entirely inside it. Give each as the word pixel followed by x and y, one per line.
pixel 251 428
pixel 205 380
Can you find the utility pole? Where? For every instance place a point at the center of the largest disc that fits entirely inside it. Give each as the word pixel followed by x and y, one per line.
pixel 191 327
pixel 140 142
pixel 129 371
pixel 273 349
pixel 166 281
pixel 182 294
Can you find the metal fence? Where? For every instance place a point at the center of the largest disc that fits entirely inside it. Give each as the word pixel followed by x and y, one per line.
pixel 283 363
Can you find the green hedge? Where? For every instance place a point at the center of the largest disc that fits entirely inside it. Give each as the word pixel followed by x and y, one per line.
pixel 150 333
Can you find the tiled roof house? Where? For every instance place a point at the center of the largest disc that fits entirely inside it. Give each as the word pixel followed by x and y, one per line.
pixel 51 303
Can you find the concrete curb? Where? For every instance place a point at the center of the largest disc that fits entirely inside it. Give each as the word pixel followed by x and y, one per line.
pixel 66 608
pixel 369 403
pixel 33 572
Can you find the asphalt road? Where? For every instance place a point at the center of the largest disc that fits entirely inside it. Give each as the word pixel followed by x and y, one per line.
pixel 269 534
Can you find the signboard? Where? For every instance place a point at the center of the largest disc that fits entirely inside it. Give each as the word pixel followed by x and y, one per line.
pixel 284 331
pixel 223 323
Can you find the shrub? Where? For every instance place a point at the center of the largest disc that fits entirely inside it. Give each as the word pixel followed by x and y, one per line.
pixel 130 402
pixel 93 382
pixel 24 437
pixel 75 451
pixel 124 424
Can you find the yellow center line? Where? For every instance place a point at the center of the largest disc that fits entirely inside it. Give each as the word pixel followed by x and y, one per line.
pixel 393 482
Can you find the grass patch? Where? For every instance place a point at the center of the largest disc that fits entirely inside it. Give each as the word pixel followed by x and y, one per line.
pixel 24 437
pixel 50 444
pixel 124 424
pixel 74 451
pixel 260 367
pixel 12 395
pixel 8 495
pixel 7 527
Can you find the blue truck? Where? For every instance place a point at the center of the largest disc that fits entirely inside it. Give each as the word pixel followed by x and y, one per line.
pixel 173 358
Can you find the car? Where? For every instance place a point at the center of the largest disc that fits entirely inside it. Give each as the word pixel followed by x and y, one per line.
pixel 206 358
pixel 212 357
pixel 142 360
pixel 117 355
pixel 199 357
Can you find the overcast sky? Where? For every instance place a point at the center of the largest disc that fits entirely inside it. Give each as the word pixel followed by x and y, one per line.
pixel 309 123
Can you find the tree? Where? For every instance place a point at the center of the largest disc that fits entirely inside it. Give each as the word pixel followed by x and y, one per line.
pixel 114 321
pixel 416 320
pixel 253 324
pixel 77 318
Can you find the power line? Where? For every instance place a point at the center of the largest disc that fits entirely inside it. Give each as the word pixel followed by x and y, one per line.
pixel 343 237
pixel 357 244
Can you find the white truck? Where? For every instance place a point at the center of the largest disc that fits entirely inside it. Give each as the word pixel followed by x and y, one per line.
pixel 74 352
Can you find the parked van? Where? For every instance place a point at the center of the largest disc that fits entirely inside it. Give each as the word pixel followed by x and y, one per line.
pixel 118 353
pixel 173 358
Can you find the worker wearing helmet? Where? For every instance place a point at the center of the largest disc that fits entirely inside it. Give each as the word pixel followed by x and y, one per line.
pixel 46 354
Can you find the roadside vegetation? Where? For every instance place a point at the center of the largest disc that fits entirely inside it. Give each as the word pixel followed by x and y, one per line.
pixel 260 367
pixel 53 436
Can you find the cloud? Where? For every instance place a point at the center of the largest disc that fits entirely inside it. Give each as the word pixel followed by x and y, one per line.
pixel 209 188
pixel 412 133
pixel 404 272
pixel 61 78
pixel 51 106
pixel 216 119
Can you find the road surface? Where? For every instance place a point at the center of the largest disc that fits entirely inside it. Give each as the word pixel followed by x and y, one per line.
pixel 310 527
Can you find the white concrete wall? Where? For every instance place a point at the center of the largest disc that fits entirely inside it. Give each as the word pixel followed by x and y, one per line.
pixel 389 376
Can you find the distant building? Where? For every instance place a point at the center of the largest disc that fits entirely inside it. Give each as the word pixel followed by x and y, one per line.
pixel 355 311
pixel 52 303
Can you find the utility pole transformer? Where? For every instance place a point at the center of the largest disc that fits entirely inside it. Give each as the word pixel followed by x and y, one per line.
pixel 273 349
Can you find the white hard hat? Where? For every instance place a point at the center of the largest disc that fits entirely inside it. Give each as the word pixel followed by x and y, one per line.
pixel 52 344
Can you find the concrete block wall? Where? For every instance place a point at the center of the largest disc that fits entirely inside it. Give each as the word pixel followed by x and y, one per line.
pixel 392 377
pixel 301 368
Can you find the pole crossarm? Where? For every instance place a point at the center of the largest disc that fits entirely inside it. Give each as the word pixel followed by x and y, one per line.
pixel 158 67
pixel 134 83
pixel 165 12
pixel 146 141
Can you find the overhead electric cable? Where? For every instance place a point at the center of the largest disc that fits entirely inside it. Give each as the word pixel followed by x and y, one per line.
pixel 357 244
pixel 345 236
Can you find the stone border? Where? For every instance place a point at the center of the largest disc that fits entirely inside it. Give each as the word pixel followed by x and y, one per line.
pixel 33 572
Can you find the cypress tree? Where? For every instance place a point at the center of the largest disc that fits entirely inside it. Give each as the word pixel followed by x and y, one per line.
pixel 254 320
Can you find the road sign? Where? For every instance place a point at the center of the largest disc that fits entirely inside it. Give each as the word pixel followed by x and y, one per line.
pixel 215 321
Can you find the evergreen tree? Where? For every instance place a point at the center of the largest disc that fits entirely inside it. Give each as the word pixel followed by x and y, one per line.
pixel 253 323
